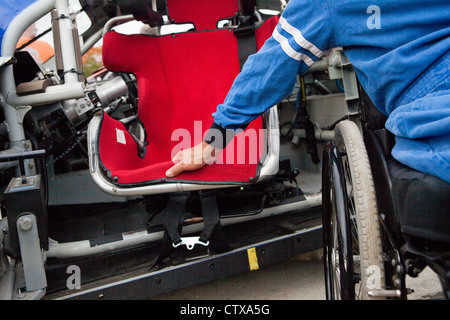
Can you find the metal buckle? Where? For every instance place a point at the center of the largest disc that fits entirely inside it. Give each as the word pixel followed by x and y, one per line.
pixel 190 242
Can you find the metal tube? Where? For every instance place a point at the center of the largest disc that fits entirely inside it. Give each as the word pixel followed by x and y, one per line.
pixel 67 42
pixel 12 35
pixel 13 121
pixel 113 21
pixel 72 89
pixel 321 135
pixel 52 94
pixel 319 66
pixel 385 293
pixel 91 41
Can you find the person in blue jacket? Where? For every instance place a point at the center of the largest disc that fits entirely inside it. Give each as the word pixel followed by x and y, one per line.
pixel 400 52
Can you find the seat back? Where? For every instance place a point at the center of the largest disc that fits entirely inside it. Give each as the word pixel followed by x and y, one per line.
pixel 204 14
pixel 182 77
pixel 180 82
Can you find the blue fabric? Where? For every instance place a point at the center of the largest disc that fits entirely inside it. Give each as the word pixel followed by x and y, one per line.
pixel 9 10
pixel 402 61
pixel 422 131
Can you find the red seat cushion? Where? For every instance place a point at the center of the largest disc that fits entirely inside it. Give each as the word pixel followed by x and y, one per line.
pixel 181 80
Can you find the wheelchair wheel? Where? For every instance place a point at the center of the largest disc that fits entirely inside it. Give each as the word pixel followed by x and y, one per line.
pixel 353 254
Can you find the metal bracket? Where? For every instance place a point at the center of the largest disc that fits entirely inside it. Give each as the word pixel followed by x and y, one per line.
pixel 190 242
pixel 341 68
pixel 30 250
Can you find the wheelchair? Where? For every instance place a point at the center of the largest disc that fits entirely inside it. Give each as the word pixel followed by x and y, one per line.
pixel 381 219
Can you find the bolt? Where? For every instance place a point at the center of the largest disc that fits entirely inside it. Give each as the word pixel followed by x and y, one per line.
pixel 25 223
pixel 416 271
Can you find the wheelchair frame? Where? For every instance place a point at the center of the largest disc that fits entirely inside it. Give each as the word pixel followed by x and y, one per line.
pixel 399 259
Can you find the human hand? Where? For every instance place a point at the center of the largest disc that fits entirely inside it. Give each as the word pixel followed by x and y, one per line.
pixel 193 159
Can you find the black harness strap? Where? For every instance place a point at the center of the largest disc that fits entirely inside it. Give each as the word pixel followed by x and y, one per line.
pixel 303 121
pixel 173 221
pixel 246 40
pixel 212 229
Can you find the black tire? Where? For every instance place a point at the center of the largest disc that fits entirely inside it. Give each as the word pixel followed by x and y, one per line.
pixel 353 252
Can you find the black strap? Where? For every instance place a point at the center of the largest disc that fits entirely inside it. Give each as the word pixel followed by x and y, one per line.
pixel 310 139
pixel 173 216
pixel 303 121
pixel 246 38
pixel 212 229
pixel 173 221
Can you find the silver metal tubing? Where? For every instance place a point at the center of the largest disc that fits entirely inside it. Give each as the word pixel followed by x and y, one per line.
pixel 271 162
pixel 13 120
pixel 67 41
pixel 116 20
pixel 10 164
pixel 321 135
pixel 83 248
pixel 269 168
pixel 12 35
pixel 91 41
pixel 14 116
pixel 71 90
pixel 385 293
pixel 52 94
pixel 319 66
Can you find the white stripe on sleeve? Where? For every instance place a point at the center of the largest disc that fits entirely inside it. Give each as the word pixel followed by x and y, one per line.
pixel 283 41
pixel 298 37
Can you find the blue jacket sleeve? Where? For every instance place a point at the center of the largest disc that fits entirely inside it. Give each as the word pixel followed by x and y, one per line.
pixel 302 34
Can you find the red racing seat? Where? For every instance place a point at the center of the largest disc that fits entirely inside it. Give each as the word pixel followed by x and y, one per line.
pixel 181 79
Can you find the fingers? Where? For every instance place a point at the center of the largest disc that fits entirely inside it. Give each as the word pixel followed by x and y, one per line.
pixel 178 168
pixel 178 157
pixel 188 160
pixel 175 170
